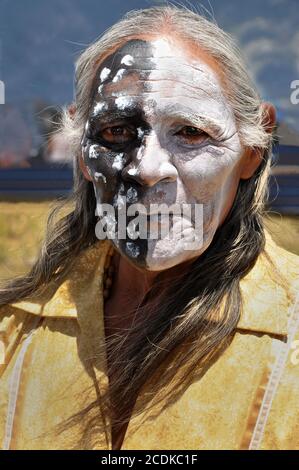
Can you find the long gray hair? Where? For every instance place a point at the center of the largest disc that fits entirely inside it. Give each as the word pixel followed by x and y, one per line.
pixel 200 310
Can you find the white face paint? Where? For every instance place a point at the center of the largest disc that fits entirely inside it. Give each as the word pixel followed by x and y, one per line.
pixel 98 175
pixel 98 108
pixel 118 163
pixel 175 165
pixel 205 173
pixel 92 152
pixel 127 60
pixel 105 74
pixel 118 75
pixel 122 102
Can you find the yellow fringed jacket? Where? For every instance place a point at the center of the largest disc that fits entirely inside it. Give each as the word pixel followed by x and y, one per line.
pixel 247 399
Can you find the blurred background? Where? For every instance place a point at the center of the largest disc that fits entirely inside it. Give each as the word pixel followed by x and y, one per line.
pixel 39 43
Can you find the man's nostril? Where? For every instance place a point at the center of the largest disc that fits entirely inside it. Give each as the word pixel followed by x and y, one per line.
pixel 168 179
pixel 130 174
pixel 132 177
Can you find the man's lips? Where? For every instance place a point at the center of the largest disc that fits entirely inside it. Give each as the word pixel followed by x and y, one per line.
pixel 160 208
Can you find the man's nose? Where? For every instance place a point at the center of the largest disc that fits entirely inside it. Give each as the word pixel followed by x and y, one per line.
pixel 151 164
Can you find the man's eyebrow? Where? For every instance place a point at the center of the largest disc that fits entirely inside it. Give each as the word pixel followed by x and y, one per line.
pixel 189 115
pixel 114 112
pixel 178 113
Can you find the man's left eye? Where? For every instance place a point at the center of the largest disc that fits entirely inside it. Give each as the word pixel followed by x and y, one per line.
pixel 192 135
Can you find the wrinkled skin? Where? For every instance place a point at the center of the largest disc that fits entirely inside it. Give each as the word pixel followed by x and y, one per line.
pixel 160 130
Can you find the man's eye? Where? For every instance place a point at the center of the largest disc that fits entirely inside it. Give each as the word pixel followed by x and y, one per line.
pixel 192 135
pixel 117 134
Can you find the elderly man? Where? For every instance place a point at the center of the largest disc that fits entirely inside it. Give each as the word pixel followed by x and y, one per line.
pixel 157 342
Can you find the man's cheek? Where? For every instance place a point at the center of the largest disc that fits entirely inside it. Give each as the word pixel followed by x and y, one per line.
pixel 217 204
pixel 210 216
pixel 205 178
pixel 204 188
pixel 103 179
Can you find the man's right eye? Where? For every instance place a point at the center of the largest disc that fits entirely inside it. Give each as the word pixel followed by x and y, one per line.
pixel 118 134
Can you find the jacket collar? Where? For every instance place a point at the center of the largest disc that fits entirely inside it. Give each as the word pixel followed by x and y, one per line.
pixel 266 297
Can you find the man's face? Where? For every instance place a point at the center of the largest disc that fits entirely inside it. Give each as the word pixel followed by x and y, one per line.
pixel 160 130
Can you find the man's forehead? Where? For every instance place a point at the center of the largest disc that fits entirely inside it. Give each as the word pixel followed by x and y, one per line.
pixel 132 54
pixel 152 75
pixel 154 59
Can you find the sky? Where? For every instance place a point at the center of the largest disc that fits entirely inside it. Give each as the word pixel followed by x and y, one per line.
pixel 40 40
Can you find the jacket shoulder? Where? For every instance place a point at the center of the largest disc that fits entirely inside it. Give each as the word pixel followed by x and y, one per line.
pixel 282 427
pixel 283 264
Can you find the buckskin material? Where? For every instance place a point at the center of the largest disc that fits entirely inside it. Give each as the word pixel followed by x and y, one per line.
pixel 247 399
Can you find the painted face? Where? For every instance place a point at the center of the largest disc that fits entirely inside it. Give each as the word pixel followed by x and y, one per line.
pixel 160 131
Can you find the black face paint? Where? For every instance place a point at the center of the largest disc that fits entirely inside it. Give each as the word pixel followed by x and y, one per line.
pixel 105 160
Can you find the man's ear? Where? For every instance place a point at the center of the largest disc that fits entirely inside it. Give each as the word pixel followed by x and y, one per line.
pixel 269 116
pixel 72 110
pixel 253 156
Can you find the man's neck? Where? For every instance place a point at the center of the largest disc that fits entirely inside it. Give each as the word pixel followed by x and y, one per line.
pixel 136 280
pixel 130 285
pixel 133 278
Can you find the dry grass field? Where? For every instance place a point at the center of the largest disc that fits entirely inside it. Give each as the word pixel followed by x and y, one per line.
pixel 22 227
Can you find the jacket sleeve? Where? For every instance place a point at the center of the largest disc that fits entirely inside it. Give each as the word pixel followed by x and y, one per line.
pixel 282 429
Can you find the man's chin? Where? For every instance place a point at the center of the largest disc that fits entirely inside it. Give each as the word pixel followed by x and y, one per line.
pixel 162 255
